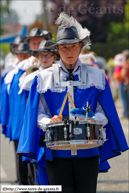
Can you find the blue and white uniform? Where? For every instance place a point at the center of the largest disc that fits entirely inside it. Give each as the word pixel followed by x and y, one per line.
pixel 96 91
pixel 25 82
pixel 10 90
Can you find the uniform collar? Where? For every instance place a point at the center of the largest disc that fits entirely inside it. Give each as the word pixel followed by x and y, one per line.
pixel 78 64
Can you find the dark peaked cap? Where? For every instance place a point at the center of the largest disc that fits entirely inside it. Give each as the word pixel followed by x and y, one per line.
pixel 37 32
pixel 45 46
pixel 69 35
pixel 22 48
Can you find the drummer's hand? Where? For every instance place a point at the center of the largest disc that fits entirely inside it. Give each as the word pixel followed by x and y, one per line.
pixel 78 118
pixel 56 119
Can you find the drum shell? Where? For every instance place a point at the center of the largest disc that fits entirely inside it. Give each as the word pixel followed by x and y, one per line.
pixel 57 132
pixel 81 135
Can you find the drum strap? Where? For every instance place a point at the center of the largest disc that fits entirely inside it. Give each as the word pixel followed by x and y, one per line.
pixel 69 84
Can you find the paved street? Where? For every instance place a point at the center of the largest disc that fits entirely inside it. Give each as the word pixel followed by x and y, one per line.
pixel 115 181
pixel 7 161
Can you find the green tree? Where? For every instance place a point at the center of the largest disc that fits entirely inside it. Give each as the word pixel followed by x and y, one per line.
pixel 119 32
pixel 4 13
pixel 4 4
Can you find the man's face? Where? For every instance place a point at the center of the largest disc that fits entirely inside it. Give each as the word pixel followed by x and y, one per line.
pixel 69 53
pixel 34 42
pixel 22 56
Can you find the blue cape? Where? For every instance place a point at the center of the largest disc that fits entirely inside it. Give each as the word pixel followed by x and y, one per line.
pixel 20 107
pixel 13 99
pixel 1 83
pixel 4 108
pixel 30 138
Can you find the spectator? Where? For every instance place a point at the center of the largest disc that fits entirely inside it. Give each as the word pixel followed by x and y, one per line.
pixel 119 61
pixel 89 59
pixel 125 74
pixel 107 76
pixel 84 51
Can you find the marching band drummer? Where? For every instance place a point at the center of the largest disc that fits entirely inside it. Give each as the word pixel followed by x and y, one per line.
pixel 46 58
pixel 33 39
pixel 76 171
pixel 11 60
pixel 21 168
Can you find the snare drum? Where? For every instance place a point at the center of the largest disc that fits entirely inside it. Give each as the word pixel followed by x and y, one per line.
pixel 75 134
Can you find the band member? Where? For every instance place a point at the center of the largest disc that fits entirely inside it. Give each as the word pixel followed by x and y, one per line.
pixel 34 38
pixel 75 170
pixel 10 59
pixel 21 168
pixel 46 58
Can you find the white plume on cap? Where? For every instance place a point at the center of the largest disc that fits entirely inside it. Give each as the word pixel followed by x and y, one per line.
pixel 65 20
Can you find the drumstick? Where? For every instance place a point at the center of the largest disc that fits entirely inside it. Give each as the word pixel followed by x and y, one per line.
pixel 71 100
pixel 62 107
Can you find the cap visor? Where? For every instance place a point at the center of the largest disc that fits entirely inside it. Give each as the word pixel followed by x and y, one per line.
pixel 70 41
pixel 34 52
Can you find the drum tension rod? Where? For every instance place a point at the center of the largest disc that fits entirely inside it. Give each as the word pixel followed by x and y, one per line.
pixel 65 129
pixel 71 123
pixel 88 109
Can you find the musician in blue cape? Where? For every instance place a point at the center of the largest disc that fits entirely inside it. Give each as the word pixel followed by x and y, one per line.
pixel 76 169
pixel 46 57
pixel 9 102
pixel 13 105
pixel 33 40
pixel 11 62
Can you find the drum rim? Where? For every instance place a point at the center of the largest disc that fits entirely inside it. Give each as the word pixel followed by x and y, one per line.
pixel 69 145
pixel 60 123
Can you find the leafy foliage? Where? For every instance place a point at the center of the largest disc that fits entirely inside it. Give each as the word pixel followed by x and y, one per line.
pixel 7 15
pixel 5 48
pixel 119 31
pixel 110 49
pixel 3 10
